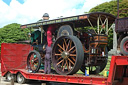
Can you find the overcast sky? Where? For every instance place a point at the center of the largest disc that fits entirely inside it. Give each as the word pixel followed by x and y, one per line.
pixel 29 11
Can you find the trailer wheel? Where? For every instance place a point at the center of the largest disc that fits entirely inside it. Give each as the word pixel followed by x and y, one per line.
pixel 124 46
pixel 65 30
pixel 67 55
pixel 34 61
pixel 20 78
pixel 9 76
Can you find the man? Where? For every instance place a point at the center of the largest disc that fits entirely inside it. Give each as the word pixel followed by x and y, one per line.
pixel 36 35
pixel 49 30
pixel 47 67
pixel 45 16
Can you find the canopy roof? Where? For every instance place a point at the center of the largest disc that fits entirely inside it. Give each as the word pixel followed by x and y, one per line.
pixel 78 21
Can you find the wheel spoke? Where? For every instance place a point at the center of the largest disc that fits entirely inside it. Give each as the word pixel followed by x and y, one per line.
pixel 62 64
pixel 59 58
pixel 65 43
pixel 64 67
pixel 60 50
pixel 33 55
pixel 67 65
pixel 73 58
pixel 59 62
pixel 57 54
pixel 35 59
pixel 32 66
pixel 71 61
pixel 72 54
pixel 71 48
pixel 68 45
pixel 63 46
pixel 60 47
pixel 73 51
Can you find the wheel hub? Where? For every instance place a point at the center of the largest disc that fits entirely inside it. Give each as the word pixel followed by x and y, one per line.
pixel 65 55
pixel 32 61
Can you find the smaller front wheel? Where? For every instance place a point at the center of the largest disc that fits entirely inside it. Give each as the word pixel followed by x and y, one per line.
pixel 124 46
pixel 20 78
pixel 34 61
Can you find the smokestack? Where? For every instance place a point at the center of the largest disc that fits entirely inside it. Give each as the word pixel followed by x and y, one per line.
pixel 117 8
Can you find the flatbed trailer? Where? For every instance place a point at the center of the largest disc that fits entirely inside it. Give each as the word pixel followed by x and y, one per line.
pixel 14 60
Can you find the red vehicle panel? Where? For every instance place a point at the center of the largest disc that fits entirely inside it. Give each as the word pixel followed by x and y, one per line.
pixel 13 56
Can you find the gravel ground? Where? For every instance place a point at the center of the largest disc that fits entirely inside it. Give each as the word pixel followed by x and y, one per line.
pixel 4 82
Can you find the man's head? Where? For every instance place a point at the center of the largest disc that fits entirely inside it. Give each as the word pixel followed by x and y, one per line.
pixel 45 16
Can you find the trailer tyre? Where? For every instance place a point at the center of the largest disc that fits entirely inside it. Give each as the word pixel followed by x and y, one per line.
pixel 20 78
pixel 124 46
pixel 9 76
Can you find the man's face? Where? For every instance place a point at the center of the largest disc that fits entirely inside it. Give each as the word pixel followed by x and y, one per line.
pixel 45 18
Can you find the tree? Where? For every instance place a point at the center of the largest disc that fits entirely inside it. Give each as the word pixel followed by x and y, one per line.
pixel 111 7
pixel 12 33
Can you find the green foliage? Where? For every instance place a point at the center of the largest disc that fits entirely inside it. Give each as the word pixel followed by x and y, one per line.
pixel 12 33
pixel 111 7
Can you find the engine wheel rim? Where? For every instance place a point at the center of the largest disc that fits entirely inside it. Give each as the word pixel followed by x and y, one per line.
pixel 126 46
pixel 33 61
pixel 65 56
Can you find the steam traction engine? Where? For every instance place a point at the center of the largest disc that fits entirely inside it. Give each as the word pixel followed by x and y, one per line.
pixel 75 49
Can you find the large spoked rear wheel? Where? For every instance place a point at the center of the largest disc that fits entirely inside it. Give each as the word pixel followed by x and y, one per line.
pixel 67 55
pixel 34 61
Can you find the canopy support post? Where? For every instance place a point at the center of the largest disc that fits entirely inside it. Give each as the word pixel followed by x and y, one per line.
pixel 107 25
pixel 98 24
pixel 89 22
pixel 42 34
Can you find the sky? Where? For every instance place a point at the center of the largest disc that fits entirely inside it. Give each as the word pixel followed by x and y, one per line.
pixel 29 11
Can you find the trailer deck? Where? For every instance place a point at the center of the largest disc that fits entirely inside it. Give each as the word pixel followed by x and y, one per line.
pixel 77 78
pixel 13 61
